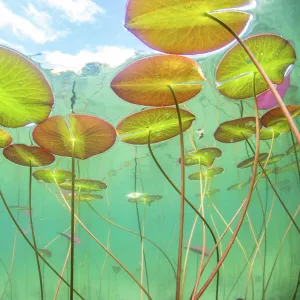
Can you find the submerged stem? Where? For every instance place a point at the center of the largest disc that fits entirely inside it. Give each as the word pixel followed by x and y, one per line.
pixel 72 223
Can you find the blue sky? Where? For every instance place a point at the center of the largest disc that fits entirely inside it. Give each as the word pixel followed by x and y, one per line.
pixel 69 33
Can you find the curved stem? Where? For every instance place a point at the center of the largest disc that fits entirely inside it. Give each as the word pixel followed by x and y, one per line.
pixel 297 287
pixel 263 74
pixel 247 201
pixel 8 279
pixel 33 234
pixel 181 221
pixel 32 246
pixel 296 156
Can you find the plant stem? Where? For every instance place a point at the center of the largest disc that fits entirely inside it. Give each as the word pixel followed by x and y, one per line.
pixel 296 156
pixel 72 223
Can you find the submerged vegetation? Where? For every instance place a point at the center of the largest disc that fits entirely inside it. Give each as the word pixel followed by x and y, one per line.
pixel 255 72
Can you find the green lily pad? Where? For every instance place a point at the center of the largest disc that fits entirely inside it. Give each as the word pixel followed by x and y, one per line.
pixel 208 173
pixel 237 186
pixel 267 171
pixel 286 167
pixel 147 199
pixel 84 197
pixel 268 134
pixel 235 71
pixel 183 26
pixel 273 159
pixel 25 95
pixel 250 161
pixel 291 149
pixel 90 135
pixel 161 123
pixel 236 130
pixel 52 175
pixel 204 156
pixel 28 156
pixel 210 192
pixel 5 138
pixel 84 185
pixel 147 80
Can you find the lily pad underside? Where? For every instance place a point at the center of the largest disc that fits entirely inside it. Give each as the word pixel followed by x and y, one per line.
pixel 5 138
pixel 183 27
pixel 208 173
pixel 52 175
pixel 147 81
pixel 273 159
pixel 84 185
pixel 268 134
pixel 25 95
pixel 235 71
pixel 160 123
pixel 291 150
pixel 237 186
pixel 84 197
pixel 147 199
pixel 250 161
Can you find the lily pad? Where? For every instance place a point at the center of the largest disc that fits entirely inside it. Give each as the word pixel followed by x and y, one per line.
pixel 275 118
pixel 291 149
pixel 208 173
pixel 250 161
pixel 52 175
pixel 146 81
pixel 161 123
pixel 210 192
pixel 90 135
pixel 273 159
pixel 235 71
pixel 268 134
pixel 237 186
pixel 267 171
pixel 25 95
pixel 236 130
pixel 148 199
pixel 183 27
pixel 25 155
pixel 205 156
pixel 84 185
pixel 84 197
pixel 286 167
pixel 5 138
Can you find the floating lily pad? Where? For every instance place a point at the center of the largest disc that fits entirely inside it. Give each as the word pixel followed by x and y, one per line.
pixel 84 185
pixel 52 175
pixel 148 199
pixel 286 167
pixel 268 134
pixel 90 135
pixel 25 155
pixel 291 149
pixel 5 138
pixel 25 95
pixel 267 171
pixel 146 81
pixel 161 123
pixel 237 186
pixel 209 173
pixel 250 161
pixel 210 192
pixel 183 27
pixel 275 118
pixel 84 197
pixel 273 159
pixel 236 130
pixel 235 71
pixel 205 156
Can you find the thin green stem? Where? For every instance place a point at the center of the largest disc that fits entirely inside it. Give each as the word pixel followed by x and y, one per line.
pixel 72 223
pixel 296 156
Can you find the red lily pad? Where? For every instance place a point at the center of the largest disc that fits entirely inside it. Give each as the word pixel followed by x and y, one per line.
pixel 160 123
pixel 250 161
pixel 28 156
pixel 84 197
pixel 268 134
pixel 291 149
pixel 84 185
pixel 5 138
pixel 236 130
pixel 25 95
pixel 183 27
pixel 208 173
pixel 236 70
pixel 275 118
pixel 237 186
pixel 204 156
pixel 52 175
pixel 90 135
pixel 146 81
pixel 147 199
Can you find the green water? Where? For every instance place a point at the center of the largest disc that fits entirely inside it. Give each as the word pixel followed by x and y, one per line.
pixel 124 166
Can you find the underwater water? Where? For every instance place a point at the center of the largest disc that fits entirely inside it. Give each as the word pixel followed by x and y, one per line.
pixel 264 260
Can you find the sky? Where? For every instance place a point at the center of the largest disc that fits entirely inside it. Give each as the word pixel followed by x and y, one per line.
pixel 68 33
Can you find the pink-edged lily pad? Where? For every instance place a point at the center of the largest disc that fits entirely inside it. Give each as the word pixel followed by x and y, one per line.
pixel 84 197
pixel 160 123
pixel 52 175
pixel 90 135
pixel 28 156
pixel 250 161
pixel 146 81
pixel 84 185
pixel 204 156
pixel 208 173
pixel 5 138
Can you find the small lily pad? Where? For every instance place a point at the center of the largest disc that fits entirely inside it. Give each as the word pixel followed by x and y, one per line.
pixel 273 159
pixel 52 175
pixel 5 138
pixel 28 156
pixel 161 123
pixel 236 130
pixel 84 197
pixel 268 134
pixel 208 173
pixel 84 185
pixel 210 192
pixel 250 161
pixel 235 71
pixel 146 81
pixel 204 156
pixel 291 149
pixel 90 135
pixel 25 94
pixel 237 186
pixel 147 199
pixel 275 118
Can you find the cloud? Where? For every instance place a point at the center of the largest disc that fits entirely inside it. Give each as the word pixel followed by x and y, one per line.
pixel 22 27
pixel 111 55
pixel 40 18
pixel 77 10
pixel 12 46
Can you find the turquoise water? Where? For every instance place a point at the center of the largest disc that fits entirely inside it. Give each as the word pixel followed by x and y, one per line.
pixel 127 169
